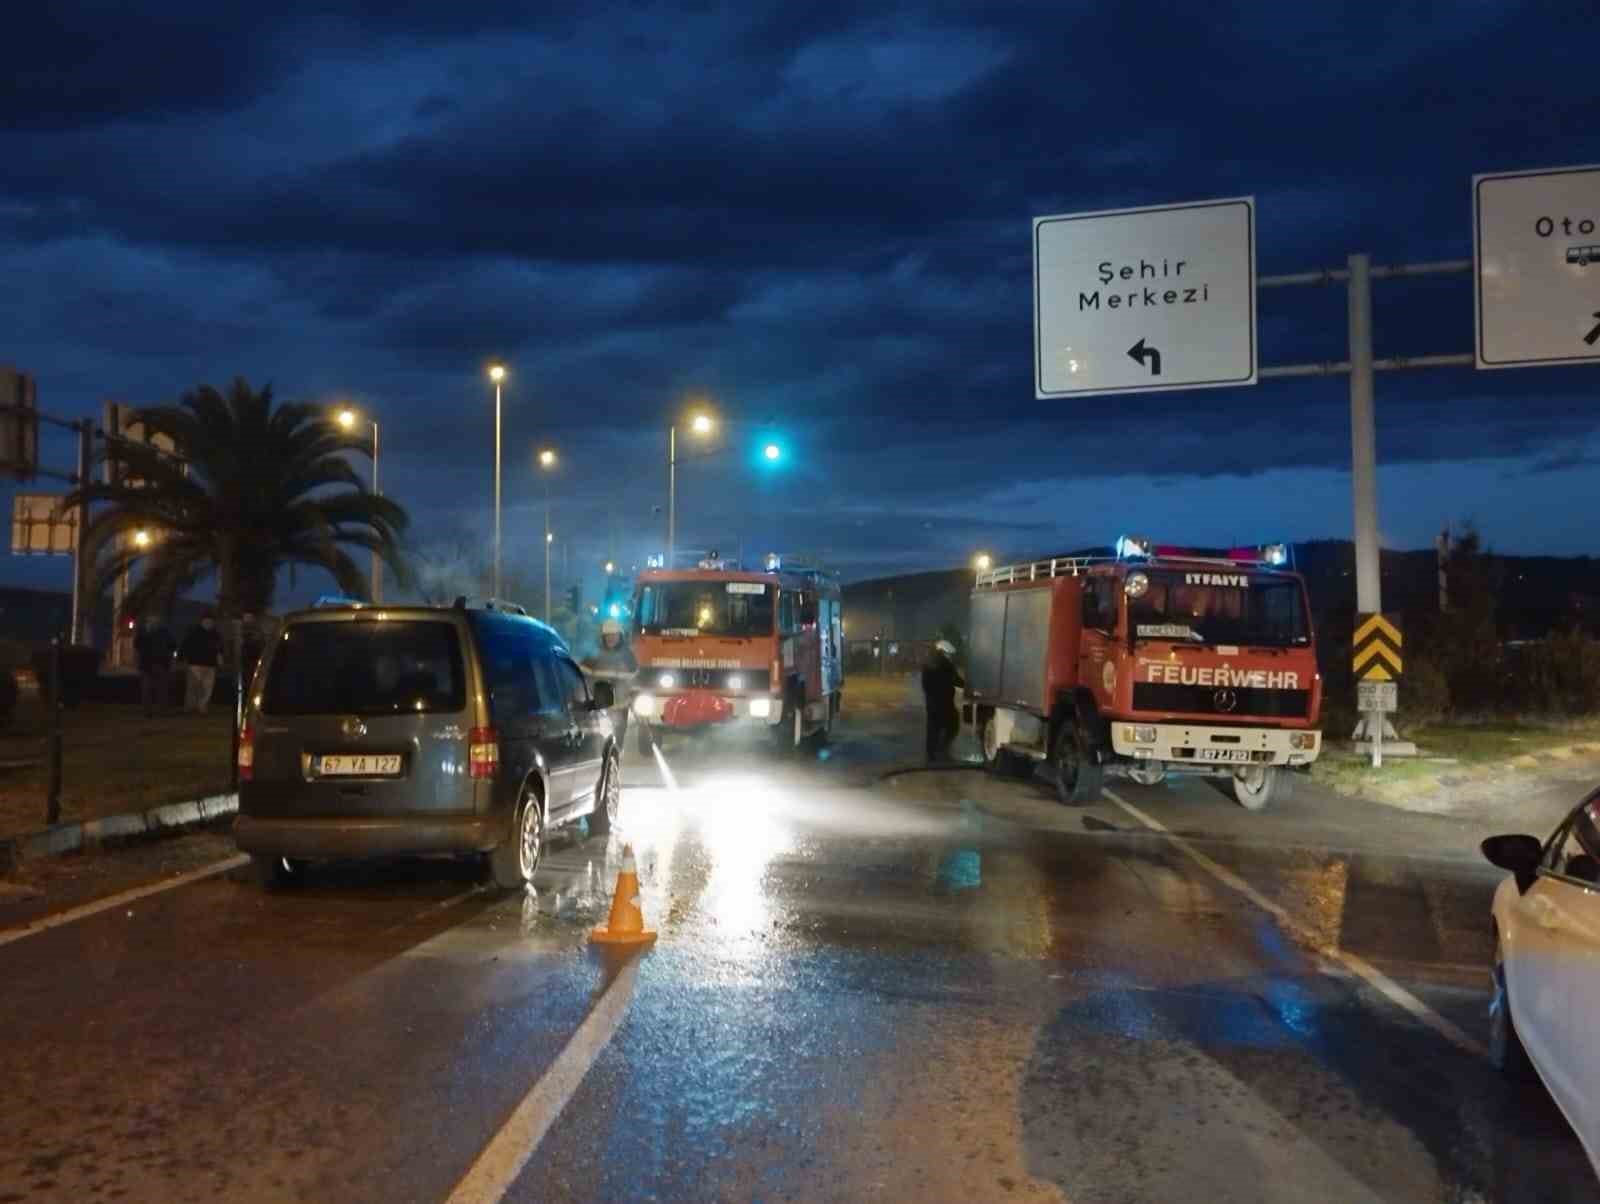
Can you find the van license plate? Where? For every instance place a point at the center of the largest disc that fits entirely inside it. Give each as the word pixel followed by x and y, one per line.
pixel 1224 754
pixel 386 766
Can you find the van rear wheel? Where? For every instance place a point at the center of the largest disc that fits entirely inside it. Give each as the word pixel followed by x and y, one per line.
pixel 515 860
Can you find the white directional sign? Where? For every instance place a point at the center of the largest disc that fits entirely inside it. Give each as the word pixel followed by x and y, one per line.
pixel 1135 300
pixel 1536 259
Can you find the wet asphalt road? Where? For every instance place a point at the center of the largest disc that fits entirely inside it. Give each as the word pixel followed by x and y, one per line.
pixel 939 986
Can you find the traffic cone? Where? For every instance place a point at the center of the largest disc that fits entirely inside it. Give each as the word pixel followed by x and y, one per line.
pixel 626 925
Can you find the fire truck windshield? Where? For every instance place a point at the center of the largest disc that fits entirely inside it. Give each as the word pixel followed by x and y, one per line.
pixel 1223 608
pixel 729 608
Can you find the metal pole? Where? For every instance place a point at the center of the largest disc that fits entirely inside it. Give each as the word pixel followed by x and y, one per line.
pixel 496 591
pixel 547 549
pixel 672 494
pixel 80 621
pixel 52 806
pixel 377 561
pixel 1364 464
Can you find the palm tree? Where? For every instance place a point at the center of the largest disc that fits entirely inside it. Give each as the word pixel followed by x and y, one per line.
pixel 249 489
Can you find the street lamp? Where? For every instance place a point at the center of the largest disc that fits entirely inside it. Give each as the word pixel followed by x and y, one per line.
pixel 982 562
pixel 141 539
pixel 348 421
pixel 610 567
pixel 497 373
pixel 702 424
pixel 772 452
pixel 547 462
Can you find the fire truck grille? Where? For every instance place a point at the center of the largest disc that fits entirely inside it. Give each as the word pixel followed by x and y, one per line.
pixel 1208 700
pixel 717 679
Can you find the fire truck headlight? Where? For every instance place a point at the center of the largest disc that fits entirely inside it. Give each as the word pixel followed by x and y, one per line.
pixel 1139 735
pixel 1275 553
pixel 644 705
pixel 761 708
pixel 1136 585
pixel 666 681
pixel 735 682
pixel 1302 740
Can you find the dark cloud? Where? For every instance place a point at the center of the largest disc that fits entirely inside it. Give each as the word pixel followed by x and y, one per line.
pixel 817 215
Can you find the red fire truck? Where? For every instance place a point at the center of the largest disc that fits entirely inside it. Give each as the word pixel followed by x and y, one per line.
pixel 727 649
pixel 1147 662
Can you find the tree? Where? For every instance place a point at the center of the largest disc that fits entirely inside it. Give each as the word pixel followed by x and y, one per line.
pixel 251 489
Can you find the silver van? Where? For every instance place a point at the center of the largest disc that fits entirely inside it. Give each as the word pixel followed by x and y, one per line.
pixel 382 730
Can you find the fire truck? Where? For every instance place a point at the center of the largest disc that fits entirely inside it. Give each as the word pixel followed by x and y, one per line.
pixel 1147 662
pixel 723 649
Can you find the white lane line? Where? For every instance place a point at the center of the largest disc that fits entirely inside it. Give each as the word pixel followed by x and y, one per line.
pixel 128 896
pixel 1359 966
pixel 508 1152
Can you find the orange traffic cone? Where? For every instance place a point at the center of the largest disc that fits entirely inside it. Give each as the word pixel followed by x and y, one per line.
pixel 626 926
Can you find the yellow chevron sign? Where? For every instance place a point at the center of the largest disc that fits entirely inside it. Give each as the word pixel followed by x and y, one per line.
pixel 1375 651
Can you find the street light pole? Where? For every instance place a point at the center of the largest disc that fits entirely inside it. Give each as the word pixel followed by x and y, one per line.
pixel 377 561
pixel 548 539
pixel 672 493
pixel 497 373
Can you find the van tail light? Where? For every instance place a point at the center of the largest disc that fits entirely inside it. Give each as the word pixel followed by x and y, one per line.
pixel 483 752
pixel 773 682
pixel 247 754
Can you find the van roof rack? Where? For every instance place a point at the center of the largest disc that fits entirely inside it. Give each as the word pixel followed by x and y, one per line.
pixel 463 602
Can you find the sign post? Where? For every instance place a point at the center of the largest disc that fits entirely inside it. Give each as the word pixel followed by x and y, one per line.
pixel 1377 659
pixel 1536 265
pixel 1145 300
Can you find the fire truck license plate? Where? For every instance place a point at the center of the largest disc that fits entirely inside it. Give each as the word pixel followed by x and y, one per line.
pixel 1224 754
pixel 359 767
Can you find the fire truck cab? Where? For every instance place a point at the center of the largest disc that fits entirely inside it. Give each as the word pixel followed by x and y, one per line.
pixel 1148 662
pixel 723 649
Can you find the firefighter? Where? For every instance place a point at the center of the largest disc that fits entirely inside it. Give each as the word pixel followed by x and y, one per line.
pixel 615 663
pixel 940 681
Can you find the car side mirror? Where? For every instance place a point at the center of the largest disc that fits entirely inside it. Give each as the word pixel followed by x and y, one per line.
pixel 605 697
pixel 1518 854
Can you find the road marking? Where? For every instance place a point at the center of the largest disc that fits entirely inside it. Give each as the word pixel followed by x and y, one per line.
pixel 508 1152
pixel 1359 966
pixel 86 910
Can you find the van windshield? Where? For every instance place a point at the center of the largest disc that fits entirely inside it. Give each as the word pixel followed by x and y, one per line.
pixel 1226 608
pixel 365 668
pixel 730 608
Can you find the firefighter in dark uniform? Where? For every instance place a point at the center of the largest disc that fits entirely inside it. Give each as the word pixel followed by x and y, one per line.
pixel 940 681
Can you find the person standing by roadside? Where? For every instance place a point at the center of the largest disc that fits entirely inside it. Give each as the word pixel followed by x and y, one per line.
pixel 201 653
pixel 153 649
pixel 940 681
pixel 615 662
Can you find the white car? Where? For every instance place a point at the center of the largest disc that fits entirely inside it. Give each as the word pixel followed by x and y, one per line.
pixel 1547 964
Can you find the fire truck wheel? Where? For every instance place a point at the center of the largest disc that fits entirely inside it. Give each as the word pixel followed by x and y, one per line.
pixel 1078 778
pixel 1001 762
pixel 1257 786
pixel 789 733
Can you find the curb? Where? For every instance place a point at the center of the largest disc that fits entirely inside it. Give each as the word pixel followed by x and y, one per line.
pixel 72 838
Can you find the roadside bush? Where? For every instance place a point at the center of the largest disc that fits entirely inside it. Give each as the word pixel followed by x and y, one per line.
pixel 1424 692
pixel 1555 676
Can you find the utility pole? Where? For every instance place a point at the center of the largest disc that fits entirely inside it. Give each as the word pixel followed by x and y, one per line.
pixel 1442 550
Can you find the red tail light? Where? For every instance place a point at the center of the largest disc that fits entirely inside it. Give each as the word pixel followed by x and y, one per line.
pixel 247 754
pixel 483 752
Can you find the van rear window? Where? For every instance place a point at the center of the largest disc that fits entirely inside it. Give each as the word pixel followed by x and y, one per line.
pixel 365 668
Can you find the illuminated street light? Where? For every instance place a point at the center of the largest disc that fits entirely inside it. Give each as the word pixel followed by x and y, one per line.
pixel 772 452
pixel 141 538
pixel 547 458
pixel 349 418
pixel 702 424
pixel 982 562
pixel 610 568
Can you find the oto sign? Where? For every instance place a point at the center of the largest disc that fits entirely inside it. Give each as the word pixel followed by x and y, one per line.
pixel 1536 264
pixel 1141 300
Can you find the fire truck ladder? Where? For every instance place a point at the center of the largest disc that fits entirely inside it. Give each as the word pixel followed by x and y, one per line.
pixel 1040 570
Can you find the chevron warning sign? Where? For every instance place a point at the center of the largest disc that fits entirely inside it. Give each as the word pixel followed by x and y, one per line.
pixel 1377 647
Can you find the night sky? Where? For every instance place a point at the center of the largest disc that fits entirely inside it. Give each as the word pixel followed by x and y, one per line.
pixel 818 219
